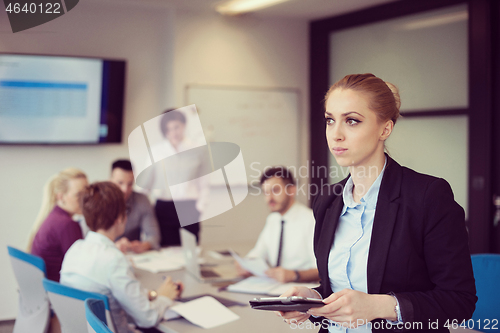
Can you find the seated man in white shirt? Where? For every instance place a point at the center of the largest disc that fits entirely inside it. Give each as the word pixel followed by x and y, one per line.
pixel 142 232
pixel 286 242
pixel 95 264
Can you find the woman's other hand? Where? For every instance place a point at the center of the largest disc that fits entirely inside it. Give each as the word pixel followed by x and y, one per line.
pixel 352 308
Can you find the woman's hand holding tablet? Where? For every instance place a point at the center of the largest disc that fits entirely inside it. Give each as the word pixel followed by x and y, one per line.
pixel 285 304
pixel 298 316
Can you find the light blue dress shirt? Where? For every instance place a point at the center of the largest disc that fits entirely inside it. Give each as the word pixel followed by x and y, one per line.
pixel 347 263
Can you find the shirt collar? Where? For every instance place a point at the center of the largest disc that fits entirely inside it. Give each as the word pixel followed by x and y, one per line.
pixel 369 199
pixel 290 212
pixel 59 210
pixel 95 237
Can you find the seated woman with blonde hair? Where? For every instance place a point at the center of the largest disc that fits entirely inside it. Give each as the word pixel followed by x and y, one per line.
pixel 54 230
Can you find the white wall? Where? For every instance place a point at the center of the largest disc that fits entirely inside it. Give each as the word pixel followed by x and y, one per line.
pixel 165 51
pixel 242 51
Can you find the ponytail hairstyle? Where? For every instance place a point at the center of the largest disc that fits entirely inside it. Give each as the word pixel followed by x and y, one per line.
pixel 383 96
pixel 57 184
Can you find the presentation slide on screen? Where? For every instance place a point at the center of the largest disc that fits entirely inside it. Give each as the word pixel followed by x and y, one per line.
pixel 49 99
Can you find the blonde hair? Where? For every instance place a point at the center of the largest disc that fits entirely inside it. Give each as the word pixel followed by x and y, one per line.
pixel 383 96
pixel 57 184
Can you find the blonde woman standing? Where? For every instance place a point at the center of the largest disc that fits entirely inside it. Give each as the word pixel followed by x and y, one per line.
pixel 390 243
pixel 54 230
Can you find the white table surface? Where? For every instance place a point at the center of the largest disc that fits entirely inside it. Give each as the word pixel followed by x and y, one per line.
pixel 250 321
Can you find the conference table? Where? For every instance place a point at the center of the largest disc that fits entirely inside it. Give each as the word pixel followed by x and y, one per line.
pixel 250 320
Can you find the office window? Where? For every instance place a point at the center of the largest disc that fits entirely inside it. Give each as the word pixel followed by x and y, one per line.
pixel 426 57
pixel 428 145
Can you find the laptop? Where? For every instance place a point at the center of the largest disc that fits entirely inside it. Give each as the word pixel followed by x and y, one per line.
pixel 202 274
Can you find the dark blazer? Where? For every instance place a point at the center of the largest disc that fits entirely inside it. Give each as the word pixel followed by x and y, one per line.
pixel 418 250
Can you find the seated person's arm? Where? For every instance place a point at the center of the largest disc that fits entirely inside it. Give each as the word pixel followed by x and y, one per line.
pixel 150 230
pixel 123 244
pixel 241 271
pixel 170 289
pixel 287 275
pixel 134 299
pixel 140 247
pixel 309 275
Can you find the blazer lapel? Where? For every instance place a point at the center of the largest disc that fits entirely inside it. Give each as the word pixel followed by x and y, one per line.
pixel 383 225
pixel 330 222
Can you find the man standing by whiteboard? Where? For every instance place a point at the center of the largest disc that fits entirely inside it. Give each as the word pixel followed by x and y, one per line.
pixel 286 242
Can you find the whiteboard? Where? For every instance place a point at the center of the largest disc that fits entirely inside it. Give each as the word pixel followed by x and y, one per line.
pixel 263 122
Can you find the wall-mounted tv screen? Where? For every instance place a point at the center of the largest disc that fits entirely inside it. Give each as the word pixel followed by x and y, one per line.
pixel 60 100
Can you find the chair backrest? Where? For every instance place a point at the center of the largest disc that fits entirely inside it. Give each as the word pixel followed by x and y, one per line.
pixel 34 309
pixel 487 274
pixel 29 271
pixel 96 316
pixel 69 305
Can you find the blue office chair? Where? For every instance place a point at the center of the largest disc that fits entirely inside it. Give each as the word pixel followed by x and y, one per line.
pixel 96 316
pixel 487 274
pixel 69 305
pixel 34 308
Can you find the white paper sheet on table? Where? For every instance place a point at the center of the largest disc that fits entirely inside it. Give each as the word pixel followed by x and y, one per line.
pixel 256 266
pixel 282 288
pixel 254 285
pixel 266 286
pixel 156 261
pixel 170 314
pixel 205 312
pixel 156 266
pixel 169 259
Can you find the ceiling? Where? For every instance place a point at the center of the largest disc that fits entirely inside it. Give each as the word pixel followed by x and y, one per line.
pixel 299 9
pixel 315 9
